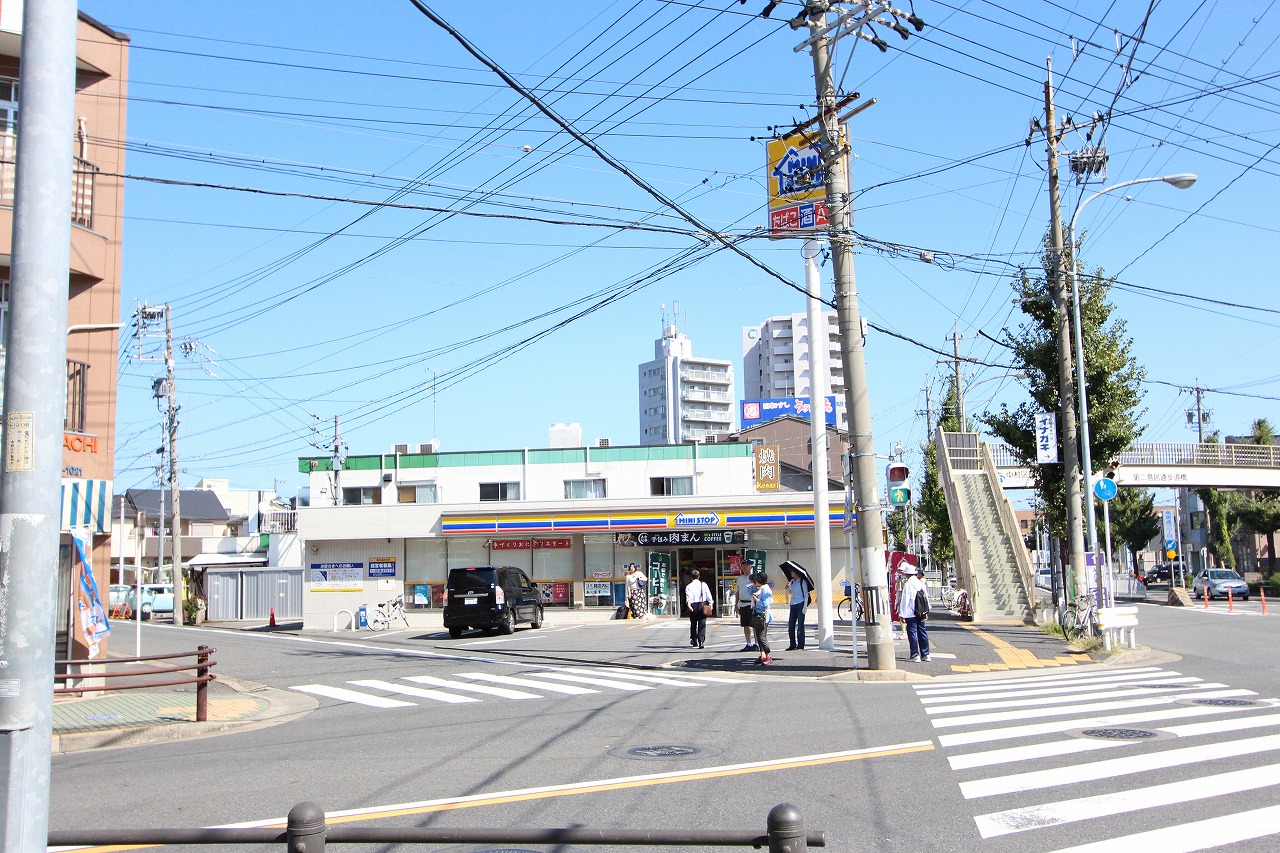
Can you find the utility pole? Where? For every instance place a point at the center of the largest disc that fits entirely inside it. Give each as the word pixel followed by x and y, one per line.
pixel 338 459
pixel 1201 415
pixel 175 484
pixel 34 416
pixel 1072 474
pixel 866 491
pixel 959 378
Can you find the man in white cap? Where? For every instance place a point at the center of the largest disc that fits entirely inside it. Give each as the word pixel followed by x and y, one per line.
pixel 913 609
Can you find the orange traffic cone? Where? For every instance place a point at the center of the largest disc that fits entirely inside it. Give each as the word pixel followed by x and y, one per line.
pixel 272 623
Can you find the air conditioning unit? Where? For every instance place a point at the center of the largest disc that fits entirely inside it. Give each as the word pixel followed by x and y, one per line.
pixel 603 442
pixel 429 447
pixel 400 448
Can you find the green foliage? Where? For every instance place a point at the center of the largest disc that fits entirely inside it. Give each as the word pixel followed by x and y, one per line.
pixel 932 505
pixel 1113 377
pixel 1133 518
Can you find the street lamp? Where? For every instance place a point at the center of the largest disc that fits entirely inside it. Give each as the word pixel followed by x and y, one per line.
pixel 1181 181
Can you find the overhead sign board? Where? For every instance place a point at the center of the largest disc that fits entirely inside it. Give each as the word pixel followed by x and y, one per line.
pixel 797 182
pixel 758 411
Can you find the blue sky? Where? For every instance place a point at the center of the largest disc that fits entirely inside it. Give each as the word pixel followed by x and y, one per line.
pixel 344 207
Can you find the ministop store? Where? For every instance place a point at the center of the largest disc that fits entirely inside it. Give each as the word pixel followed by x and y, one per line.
pixel 576 550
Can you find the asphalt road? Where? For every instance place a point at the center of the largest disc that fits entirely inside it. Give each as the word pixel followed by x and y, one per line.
pixel 1185 758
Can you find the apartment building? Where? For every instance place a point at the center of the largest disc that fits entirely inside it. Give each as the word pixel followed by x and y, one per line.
pixel 683 397
pixel 776 361
pixel 93 287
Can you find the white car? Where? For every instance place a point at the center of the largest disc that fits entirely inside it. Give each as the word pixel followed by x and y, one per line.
pixel 156 598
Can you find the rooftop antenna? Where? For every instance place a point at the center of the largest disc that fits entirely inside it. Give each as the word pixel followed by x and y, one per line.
pixel 675 313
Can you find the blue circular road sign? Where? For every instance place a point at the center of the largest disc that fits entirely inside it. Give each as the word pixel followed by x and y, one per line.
pixel 1105 489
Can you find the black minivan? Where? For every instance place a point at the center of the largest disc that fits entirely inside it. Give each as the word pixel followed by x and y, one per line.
pixel 490 598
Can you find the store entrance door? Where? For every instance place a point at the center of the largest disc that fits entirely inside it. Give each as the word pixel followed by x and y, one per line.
pixel 702 559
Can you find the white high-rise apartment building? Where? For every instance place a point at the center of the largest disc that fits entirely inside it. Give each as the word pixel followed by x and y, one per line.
pixel 684 398
pixel 775 361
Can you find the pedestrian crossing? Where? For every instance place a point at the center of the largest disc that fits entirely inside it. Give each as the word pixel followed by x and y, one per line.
pixel 1091 761
pixel 461 688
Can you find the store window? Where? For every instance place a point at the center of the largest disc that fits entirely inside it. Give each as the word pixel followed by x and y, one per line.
pixel 362 496
pixel 424 573
pixel 499 491
pixel 670 486
pixel 421 493
pixel 584 489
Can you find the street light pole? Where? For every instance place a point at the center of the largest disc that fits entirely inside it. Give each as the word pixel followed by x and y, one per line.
pixel 1181 181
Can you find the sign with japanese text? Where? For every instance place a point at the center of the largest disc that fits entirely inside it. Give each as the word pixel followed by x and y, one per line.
pixel 337 577
pixel 752 412
pixel 1046 438
pixel 768 468
pixel 382 567
pixel 797 179
pixel 526 544
pixel 692 537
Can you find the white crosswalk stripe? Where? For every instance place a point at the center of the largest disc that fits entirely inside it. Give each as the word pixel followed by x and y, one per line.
pixel 469 687
pixel 1137 740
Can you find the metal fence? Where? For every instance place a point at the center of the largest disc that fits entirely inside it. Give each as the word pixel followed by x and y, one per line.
pixel 86 673
pixel 1173 453
pixel 308 832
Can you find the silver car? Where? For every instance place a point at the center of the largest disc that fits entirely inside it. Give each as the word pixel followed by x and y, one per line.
pixel 1218 583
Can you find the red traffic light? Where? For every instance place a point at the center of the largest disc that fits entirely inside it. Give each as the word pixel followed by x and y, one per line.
pixel 897 473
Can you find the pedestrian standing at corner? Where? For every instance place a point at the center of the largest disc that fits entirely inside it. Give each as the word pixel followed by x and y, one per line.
pixel 762 601
pixel 698 600
pixel 799 598
pixel 745 618
pixel 913 608
pixel 637 592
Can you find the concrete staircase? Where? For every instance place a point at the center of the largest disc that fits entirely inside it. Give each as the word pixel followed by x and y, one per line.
pixel 991 562
pixel 998 593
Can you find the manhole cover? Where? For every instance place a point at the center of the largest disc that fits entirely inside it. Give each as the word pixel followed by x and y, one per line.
pixel 1225 703
pixel 666 751
pixel 1119 734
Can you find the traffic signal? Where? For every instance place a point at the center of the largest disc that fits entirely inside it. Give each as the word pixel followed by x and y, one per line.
pixel 896 473
pixel 899 496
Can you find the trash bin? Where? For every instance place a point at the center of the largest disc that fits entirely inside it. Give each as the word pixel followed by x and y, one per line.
pixel 362 616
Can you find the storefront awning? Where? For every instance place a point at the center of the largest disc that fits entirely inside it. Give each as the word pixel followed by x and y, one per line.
pixel 204 561
pixel 581 522
pixel 86 504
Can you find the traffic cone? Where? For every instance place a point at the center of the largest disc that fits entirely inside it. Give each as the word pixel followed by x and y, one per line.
pixel 1231 604
pixel 1263 593
pixel 272 623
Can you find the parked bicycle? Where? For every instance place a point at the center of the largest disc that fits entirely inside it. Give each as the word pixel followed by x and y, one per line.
pixel 1081 618
pixel 387 612
pixel 851 604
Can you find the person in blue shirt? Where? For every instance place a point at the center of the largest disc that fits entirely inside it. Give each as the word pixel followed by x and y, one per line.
pixel 761 601
pixel 798 589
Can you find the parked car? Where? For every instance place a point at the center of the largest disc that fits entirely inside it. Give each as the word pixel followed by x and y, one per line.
pixel 1218 582
pixel 118 595
pixel 490 598
pixel 1044 577
pixel 156 598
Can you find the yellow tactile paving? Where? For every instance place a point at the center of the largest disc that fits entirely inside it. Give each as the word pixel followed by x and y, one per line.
pixel 1011 656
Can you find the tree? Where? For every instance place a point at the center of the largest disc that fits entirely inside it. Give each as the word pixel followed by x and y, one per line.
pixel 1133 518
pixel 932 505
pixel 1260 511
pixel 1112 376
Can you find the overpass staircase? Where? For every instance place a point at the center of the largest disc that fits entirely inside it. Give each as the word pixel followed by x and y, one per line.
pixel 991 562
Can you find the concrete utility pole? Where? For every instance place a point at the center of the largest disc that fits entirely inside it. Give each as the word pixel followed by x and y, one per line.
pixel 337 463
pixel 955 342
pixel 1066 390
pixel 35 406
pixel 866 491
pixel 175 483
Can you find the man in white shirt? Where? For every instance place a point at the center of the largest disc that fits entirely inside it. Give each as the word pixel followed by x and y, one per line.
pixel 917 634
pixel 745 618
pixel 696 594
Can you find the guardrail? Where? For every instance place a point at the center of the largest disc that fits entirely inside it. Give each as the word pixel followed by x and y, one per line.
pixel 94 670
pixel 307 832
pixel 1173 453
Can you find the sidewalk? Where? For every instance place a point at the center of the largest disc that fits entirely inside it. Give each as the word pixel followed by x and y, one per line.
pixel 152 715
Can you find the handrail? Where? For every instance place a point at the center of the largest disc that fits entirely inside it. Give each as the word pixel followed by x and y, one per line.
pixel 1174 453
pixel 308 832
pixel 201 679
pixel 959 531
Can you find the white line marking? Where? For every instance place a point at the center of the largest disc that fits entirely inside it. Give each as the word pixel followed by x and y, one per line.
pixel 1218 726
pixel 635 676
pixel 1025 680
pixel 972 694
pixel 597 682
pixel 1126 766
pixel 525 682
pixel 1113 693
pixel 437 695
pixel 344 695
pixel 970 760
pixel 1121 802
pixel 1028 713
pixel 1189 837
pixel 473 688
pixel 987 735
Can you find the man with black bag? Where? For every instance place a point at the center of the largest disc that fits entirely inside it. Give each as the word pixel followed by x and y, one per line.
pixel 913 609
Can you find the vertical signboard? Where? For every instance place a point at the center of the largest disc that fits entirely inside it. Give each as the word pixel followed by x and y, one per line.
pixel 797 185
pixel 768 469
pixel 660 563
pixel 1046 438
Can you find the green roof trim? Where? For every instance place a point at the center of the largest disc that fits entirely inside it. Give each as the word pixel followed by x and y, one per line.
pixel 551 456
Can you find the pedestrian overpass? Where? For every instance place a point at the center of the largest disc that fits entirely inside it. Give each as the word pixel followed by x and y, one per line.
pixel 1169 465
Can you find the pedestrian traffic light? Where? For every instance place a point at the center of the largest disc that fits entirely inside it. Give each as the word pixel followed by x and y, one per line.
pixel 896 473
pixel 900 496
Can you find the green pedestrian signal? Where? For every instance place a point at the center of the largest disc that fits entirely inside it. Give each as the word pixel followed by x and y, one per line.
pixel 900 496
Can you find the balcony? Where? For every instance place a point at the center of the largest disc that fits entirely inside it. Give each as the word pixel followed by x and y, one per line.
pixel 84 176
pixel 721 377
pixel 709 396
pixel 715 416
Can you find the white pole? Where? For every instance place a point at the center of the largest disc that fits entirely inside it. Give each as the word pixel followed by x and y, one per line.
pixel 1111 569
pixel 819 341
pixel 139 528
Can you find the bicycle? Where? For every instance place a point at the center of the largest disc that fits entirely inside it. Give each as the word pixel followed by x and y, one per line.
pixel 387 612
pixel 847 607
pixel 1081 618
